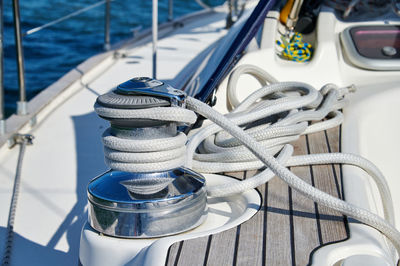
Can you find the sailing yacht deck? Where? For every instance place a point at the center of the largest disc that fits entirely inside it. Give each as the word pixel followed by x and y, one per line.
pixel 67 153
pixel 287 229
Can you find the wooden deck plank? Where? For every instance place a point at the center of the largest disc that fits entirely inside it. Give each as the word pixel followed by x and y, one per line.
pixel 189 257
pixel 228 239
pixel 174 254
pixel 332 228
pixel 278 224
pixel 223 256
pixel 286 229
pixel 237 175
pixel 304 216
pixel 332 136
pixel 251 241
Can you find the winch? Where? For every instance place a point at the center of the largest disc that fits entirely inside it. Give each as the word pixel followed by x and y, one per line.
pixel 146 193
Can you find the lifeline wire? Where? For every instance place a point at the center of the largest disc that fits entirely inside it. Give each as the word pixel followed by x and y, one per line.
pixel 22 140
pixel 272 117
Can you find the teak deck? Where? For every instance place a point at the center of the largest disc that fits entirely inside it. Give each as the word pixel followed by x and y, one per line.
pixel 287 229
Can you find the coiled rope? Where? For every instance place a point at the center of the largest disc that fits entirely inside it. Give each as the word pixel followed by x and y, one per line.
pixel 293 48
pixel 160 150
pixel 262 126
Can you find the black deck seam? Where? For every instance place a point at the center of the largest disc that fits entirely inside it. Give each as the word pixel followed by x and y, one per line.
pixel 168 253
pixel 315 204
pixel 235 253
pixel 339 188
pixel 237 239
pixel 333 166
pixel 178 254
pixel 207 250
pixel 245 175
pixel 264 244
pixel 346 221
pixel 341 165
pixel 291 224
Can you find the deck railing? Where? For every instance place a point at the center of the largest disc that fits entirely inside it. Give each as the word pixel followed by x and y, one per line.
pixel 22 103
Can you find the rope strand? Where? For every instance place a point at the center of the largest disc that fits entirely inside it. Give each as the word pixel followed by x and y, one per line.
pixel 254 135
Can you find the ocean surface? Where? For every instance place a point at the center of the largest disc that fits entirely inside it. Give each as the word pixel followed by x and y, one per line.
pixel 52 52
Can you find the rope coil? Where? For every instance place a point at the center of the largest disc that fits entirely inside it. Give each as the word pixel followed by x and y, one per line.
pixel 294 48
pixel 255 134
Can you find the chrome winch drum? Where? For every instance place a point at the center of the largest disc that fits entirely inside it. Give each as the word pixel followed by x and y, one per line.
pixel 116 210
pixel 145 204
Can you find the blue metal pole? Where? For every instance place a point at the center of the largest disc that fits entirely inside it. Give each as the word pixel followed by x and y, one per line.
pixel 107 44
pixel 170 10
pixel 155 36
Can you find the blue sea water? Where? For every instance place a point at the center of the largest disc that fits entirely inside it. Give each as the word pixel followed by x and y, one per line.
pixel 52 52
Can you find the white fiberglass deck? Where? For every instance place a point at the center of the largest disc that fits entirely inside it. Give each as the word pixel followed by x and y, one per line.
pixel 374 133
pixel 67 150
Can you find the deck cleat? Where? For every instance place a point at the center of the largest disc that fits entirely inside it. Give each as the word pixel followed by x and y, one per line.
pixel 140 197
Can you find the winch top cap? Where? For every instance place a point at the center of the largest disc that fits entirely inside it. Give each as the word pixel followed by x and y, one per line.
pixel 141 93
pixel 116 100
pixel 130 87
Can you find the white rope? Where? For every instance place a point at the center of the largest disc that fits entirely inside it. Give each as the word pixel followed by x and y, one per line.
pixel 271 117
pixel 173 114
pixel 292 180
pixel 262 77
pixel 138 153
pixel 287 114
pixel 289 118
